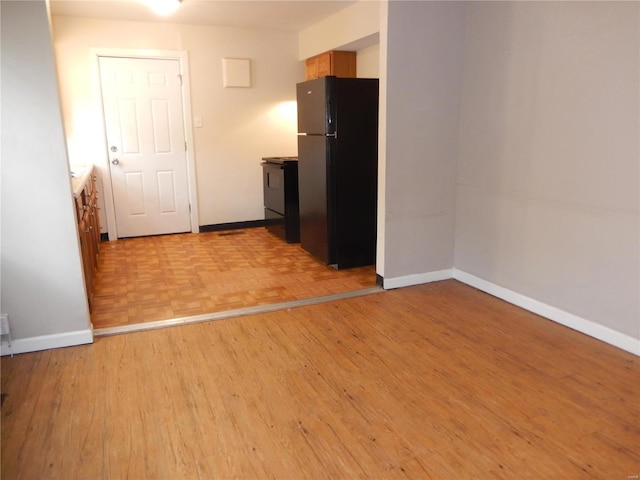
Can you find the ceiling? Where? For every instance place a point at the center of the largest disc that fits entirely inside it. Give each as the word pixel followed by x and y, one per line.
pixel 272 14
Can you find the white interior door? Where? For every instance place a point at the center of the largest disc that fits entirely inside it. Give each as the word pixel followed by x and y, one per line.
pixel 142 100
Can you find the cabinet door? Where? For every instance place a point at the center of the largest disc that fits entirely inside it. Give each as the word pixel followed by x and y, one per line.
pixel 324 65
pixel 94 215
pixel 85 246
pixel 335 62
pixel 88 232
pixel 310 69
pixel 80 206
pixel 94 230
pixel 343 64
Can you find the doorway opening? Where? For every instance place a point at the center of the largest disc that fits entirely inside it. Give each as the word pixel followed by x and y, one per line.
pixel 149 157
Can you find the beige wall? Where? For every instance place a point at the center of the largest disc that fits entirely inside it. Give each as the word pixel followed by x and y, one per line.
pixel 548 195
pixel 240 125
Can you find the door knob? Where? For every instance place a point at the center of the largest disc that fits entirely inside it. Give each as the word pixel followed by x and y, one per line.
pixel 115 161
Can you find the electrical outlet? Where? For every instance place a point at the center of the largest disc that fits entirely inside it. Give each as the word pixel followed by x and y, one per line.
pixel 4 324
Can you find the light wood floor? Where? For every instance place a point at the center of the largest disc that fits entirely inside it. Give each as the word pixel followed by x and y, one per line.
pixel 172 276
pixel 438 381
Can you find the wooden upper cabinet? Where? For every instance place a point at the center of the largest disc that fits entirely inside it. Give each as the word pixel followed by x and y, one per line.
pixel 335 62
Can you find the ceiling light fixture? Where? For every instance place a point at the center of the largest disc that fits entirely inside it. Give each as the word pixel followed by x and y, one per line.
pixel 163 7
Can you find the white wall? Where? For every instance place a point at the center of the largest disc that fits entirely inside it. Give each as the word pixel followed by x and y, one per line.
pixel 42 279
pixel 368 61
pixel 352 24
pixel 240 125
pixel 548 195
pixel 423 86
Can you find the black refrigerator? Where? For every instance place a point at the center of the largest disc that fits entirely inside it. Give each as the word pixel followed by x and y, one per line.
pixel 338 169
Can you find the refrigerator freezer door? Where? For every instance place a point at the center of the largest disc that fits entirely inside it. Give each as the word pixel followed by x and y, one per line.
pixel 316 227
pixel 314 116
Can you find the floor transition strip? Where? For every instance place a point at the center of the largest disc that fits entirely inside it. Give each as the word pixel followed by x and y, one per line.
pixel 239 312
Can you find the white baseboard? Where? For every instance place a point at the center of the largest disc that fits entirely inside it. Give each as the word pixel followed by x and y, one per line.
pixel 416 279
pixel 45 342
pixel 582 325
pixel 605 334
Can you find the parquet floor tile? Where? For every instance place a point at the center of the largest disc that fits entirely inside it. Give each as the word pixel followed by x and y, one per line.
pixel 157 278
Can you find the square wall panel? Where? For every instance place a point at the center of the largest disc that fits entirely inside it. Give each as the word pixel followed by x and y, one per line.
pixel 236 72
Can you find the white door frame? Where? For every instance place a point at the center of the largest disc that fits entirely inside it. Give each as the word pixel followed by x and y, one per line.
pixel 183 60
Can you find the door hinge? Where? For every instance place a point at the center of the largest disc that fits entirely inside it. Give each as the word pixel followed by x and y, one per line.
pixel 185 146
pixel 180 77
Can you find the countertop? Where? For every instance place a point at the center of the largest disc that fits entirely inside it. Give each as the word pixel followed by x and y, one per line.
pixel 79 176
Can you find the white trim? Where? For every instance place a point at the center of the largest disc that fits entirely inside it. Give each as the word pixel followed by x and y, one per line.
pixel 416 279
pixel 188 133
pixel 605 334
pixel 183 59
pixel 46 342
